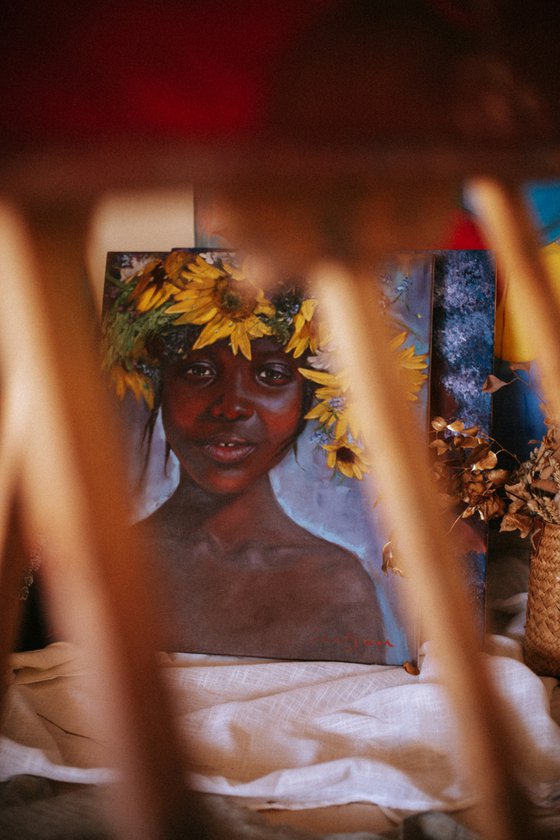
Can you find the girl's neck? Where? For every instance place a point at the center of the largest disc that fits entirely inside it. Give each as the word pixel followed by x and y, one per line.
pixel 191 496
pixel 234 518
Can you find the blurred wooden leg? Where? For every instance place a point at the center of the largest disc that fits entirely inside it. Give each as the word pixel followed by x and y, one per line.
pixel 399 455
pixel 12 570
pixel 73 493
pixel 511 234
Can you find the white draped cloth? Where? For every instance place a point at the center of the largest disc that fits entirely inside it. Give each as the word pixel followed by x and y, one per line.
pixel 289 735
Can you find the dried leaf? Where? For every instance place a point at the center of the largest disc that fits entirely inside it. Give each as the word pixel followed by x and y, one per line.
pixel 440 445
pixel 547 485
pixel 493 384
pixel 388 560
pixel 473 485
pixel 472 430
pixel 456 426
pixel 478 452
pixel 439 424
pixel 386 557
pixel 498 477
pixel 517 522
pixel 487 463
pixel 468 441
pixel 491 507
pixel 411 668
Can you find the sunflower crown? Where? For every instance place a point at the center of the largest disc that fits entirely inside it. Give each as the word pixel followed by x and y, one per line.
pixel 209 295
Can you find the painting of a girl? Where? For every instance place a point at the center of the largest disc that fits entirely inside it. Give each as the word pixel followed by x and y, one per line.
pixel 236 377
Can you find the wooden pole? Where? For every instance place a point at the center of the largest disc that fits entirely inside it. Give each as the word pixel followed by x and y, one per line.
pixel 511 234
pixel 73 493
pixel 399 455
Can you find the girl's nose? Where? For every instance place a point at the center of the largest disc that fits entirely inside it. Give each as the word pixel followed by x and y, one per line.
pixel 232 405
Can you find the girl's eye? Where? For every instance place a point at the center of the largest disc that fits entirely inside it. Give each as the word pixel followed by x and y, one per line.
pixel 198 370
pixel 276 374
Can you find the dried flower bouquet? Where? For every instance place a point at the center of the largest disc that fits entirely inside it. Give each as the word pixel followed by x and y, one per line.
pixel 468 475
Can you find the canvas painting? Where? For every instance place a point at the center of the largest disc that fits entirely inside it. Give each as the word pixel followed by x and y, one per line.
pixel 246 469
pixel 462 358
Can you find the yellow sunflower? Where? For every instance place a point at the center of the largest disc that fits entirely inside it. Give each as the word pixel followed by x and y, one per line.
pixel 140 385
pixel 334 412
pixel 333 409
pixel 411 365
pixel 348 458
pixel 152 288
pixel 201 269
pixel 176 264
pixel 225 303
pixel 306 331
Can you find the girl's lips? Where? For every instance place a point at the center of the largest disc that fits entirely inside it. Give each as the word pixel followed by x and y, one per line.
pixel 228 452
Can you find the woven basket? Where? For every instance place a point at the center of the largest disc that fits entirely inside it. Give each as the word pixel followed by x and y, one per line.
pixel 541 648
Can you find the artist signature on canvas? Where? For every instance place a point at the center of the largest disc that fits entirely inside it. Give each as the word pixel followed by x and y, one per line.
pixel 350 641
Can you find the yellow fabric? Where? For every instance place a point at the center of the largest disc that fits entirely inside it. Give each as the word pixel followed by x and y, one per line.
pixel 515 339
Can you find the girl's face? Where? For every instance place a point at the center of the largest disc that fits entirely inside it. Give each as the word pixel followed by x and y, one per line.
pixel 230 420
